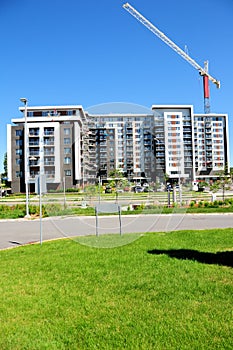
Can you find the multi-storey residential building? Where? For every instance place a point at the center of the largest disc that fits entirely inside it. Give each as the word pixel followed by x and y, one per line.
pixel 211 144
pixel 53 143
pixel 124 142
pixel 74 148
pixel 174 143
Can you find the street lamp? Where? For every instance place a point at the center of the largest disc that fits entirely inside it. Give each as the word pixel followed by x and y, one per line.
pixel 25 101
pixel 64 189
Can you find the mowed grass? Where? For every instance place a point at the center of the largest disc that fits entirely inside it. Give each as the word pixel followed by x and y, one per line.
pixel 162 291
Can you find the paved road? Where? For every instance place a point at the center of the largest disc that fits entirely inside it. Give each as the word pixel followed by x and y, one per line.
pixel 23 231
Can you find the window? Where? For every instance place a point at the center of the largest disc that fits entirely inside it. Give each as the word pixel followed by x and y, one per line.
pixel 67 160
pixel 19 143
pixel 49 131
pixel 18 174
pixel 173 128
pixel 18 152
pixel 18 132
pixel 66 131
pixel 68 172
pixel 67 150
pixel 67 140
pixel 18 161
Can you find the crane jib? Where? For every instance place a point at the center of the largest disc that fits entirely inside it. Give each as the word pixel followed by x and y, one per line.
pixel 169 42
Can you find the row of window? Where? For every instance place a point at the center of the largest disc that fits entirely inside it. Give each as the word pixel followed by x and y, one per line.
pixel 35 131
pixel 51 113
pixel 50 174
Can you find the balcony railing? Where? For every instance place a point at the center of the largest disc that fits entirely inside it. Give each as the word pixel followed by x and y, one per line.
pixel 34 143
pixel 49 143
pixel 49 163
pixel 34 153
pixel 48 132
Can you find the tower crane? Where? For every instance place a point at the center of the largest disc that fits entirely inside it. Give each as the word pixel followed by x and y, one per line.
pixel 202 71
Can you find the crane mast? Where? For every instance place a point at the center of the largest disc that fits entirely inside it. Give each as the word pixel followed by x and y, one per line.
pixel 202 71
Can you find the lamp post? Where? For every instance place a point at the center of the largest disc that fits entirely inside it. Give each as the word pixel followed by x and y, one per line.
pixel 25 101
pixel 64 189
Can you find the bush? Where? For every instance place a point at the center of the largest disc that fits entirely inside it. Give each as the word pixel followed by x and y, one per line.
pixel 72 190
pixel 192 204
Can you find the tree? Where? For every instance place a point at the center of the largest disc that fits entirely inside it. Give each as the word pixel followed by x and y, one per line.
pixel 118 179
pixel 231 173
pixel 4 174
pixel 5 165
pixel 223 182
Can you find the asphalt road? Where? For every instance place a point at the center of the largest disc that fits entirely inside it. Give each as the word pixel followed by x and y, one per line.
pixel 23 231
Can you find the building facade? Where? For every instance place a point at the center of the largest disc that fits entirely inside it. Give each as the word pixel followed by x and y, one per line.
pixel 74 148
pixel 51 146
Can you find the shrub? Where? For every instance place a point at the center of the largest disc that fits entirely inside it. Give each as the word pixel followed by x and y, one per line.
pixel 72 190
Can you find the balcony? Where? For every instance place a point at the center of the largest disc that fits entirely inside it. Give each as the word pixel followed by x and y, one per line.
pixel 49 141
pixel 48 132
pixel 34 163
pixel 49 163
pixel 33 133
pixel 49 152
pixel 50 174
pixel 33 174
pixel 34 153
pixel 34 143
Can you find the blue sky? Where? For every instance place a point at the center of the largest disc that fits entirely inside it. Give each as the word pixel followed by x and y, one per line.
pixel 94 52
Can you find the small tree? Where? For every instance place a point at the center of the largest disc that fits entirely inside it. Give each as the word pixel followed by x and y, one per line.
pixel 91 191
pixel 4 174
pixel 118 179
pixel 5 165
pixel 223 182
pixel 231 174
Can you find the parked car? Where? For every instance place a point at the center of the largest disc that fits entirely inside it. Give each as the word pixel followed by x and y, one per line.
pixel 138 189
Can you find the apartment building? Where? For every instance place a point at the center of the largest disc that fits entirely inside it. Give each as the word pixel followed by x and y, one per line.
pixel 211 144
pixel 124 142
pixel 51 145
pixel 174 142
pixel 74 148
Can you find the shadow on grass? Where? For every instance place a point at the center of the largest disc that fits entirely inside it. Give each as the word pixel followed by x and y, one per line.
pixel 219 258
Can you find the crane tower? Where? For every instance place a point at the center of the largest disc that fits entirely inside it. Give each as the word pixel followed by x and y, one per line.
pixel 202 71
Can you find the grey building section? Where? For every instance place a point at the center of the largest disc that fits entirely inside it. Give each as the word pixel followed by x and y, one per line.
pixel 15 142
pixel 74 148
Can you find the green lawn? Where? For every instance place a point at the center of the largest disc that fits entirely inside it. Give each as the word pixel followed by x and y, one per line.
pixel 163 291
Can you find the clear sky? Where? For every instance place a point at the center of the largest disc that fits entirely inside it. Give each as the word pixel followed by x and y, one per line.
pixel 56 52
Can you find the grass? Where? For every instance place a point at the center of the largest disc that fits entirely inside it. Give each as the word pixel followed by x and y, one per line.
pixel 56 209
pixel 163 291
